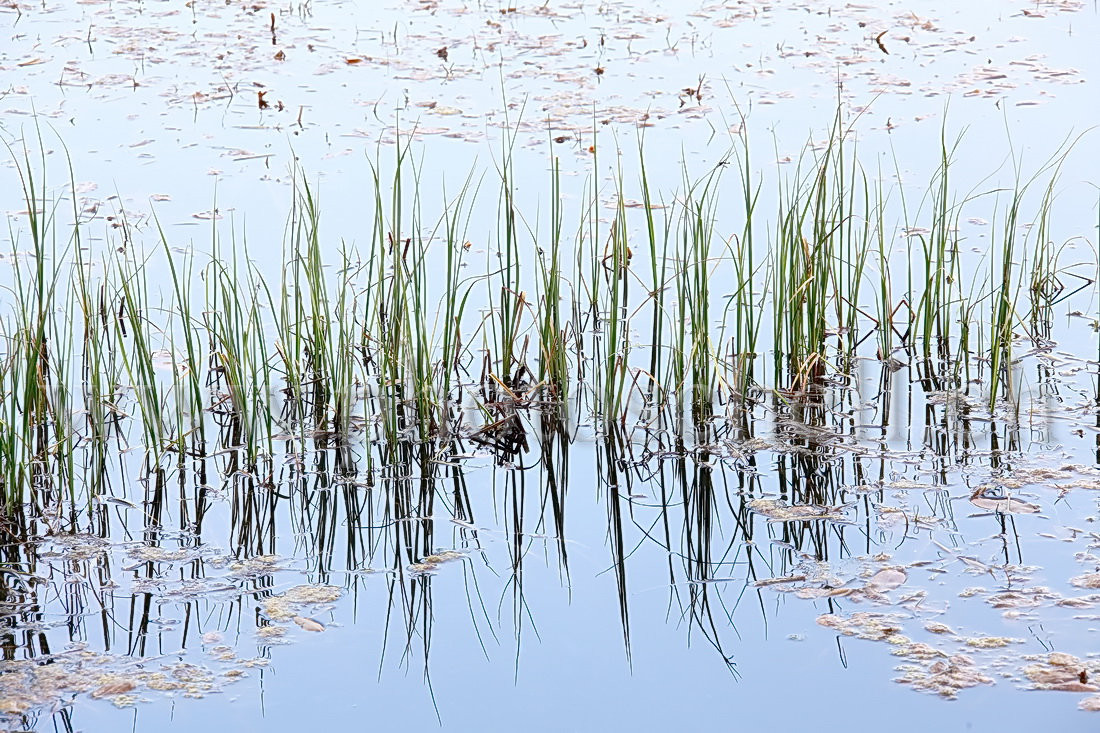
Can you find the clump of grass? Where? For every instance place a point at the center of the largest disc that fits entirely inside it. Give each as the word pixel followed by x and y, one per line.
pixel 815 260
pixel 553 344
pixel 741 303
pixel 381 348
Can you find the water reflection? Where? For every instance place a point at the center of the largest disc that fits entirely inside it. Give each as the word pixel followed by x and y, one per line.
pixel 725 516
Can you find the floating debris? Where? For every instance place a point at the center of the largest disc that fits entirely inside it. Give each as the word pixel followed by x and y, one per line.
pixel 1063 672
pixel 888 579
pixel 116 686
pixel 915 649
pixel 153 553
pixel 777 511
pixel 309 624
pixel 284 607
pixel 945 677
pixel 779 581
pixel 1088 601
pixel 256 566
pixel 935 627
pixel 76 547
pixel 1003 504
pixel 864 624
pixel 1088 580
pixel 271 632
pixel 431 562
pixel 829 592
pixel 991 642
pixel 1025 598
pixel 32 684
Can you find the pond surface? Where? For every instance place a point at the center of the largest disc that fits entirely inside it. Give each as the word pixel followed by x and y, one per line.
pixel 885 541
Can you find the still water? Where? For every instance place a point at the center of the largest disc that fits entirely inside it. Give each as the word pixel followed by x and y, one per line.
pixel 942 559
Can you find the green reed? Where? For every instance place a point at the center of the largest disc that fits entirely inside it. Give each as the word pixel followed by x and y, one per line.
pixel 614 327
pixel 742 302
pixel 35 447
pixel 510 302
pixel 658 241
pixel 343 347
pixel 810 256
pixel 697 263
pixel 553 346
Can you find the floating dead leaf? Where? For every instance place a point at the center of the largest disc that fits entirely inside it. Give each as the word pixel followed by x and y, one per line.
pixel 777 581
pixel 1080 601
pixel 271 632
pixel 864 624
pixel 1003 504
pixel 881 45
pixel 1025 598
pixel 309 624
pixel 917 650
pixel 113 687
pixel 117 501
pixel 1061 659
pixel 887 579
pixel 990 642
pixel 827 592
pixel 946 677
pixel 431 562
pixel 777 511
pixel 1063 672
pixel 282 607
pixel 976 564
pixel 935 627
pixel 442 109
pixel 1088 580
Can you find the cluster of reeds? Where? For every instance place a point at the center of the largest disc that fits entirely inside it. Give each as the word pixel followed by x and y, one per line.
pixel 404 341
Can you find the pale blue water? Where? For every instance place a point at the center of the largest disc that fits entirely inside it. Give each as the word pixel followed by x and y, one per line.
pixel 555 659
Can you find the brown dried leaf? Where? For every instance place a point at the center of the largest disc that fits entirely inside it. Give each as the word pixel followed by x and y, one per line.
pixel 114 687
pixel 776 581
